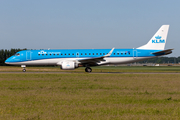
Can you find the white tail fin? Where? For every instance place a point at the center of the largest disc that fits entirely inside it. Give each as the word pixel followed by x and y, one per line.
pixel 158 41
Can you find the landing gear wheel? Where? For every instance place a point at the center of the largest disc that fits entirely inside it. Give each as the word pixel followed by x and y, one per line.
pixel 88 69
pixel 24 70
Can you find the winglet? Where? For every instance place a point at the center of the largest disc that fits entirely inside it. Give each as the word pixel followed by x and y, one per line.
pixel 109 54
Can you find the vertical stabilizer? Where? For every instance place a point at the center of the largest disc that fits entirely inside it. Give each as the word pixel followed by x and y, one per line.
pixel 158 41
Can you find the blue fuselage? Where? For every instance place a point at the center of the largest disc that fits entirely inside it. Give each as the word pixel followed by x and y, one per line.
pixel 28 56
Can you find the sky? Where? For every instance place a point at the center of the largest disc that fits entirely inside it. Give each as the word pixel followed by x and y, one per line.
pixel 87 24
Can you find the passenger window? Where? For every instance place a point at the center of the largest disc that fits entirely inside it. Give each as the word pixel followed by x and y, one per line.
pixel 100 53
pixel 103 53
pixel 114 53
pixel 54 54
pixel 85 53
pixel 57 54
pixel 125 53
pixel 121 53
pixel 93 53
pixel 96 53
pixel 81 54
pixel 42 54
pixel 69 53
pixel 50 54
pixel 89 53
pixel 61 54
pixel 118 53
pixel 38 54
pixel 73 54
pixel 64 54
pixel 46 54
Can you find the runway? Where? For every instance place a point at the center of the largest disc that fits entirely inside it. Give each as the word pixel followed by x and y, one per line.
pixel 90 73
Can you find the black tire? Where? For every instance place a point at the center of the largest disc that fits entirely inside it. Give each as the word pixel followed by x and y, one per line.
pixel 88 69
pixel 24 70
pixel 85 69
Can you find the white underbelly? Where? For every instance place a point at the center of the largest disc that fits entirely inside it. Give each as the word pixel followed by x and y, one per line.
pixel 108 60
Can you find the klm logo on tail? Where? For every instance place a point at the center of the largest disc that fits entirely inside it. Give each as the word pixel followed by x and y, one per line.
pixel 158 40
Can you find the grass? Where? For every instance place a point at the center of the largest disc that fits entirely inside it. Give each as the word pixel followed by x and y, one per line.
pixel 89 96
pixel 172 69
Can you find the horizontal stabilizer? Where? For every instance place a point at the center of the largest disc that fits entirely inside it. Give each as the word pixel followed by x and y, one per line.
pixel 163 52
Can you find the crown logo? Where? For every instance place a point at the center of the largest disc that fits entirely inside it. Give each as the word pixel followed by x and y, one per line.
pixel 42 52
pixel 158 40
pixel 158 37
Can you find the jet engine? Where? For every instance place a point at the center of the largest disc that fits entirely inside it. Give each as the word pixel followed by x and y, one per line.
pixel 69 65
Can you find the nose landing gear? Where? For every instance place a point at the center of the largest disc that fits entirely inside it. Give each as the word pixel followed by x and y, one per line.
pixel 24 68
pixel 88 69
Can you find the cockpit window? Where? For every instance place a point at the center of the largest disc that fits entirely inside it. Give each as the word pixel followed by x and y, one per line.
pixel 17 54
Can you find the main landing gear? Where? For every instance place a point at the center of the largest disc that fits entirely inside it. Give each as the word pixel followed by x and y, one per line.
pixel 24 68
pixel 88 69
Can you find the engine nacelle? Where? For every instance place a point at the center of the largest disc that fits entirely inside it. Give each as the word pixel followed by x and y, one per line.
pixel 69 65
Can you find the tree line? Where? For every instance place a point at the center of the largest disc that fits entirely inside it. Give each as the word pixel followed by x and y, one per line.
pixel 163 60
pixel 4 54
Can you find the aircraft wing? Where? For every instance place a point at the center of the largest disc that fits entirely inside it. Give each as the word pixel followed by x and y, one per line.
pixel 163 52
pixel 96 59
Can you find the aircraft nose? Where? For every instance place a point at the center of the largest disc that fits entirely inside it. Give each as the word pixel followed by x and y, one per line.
pixel 8 61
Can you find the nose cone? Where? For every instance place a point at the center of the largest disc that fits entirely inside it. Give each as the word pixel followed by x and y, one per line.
pixel 10 60
pixel 7 61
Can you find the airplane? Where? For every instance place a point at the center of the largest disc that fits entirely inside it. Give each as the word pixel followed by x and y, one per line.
pixel 70 59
